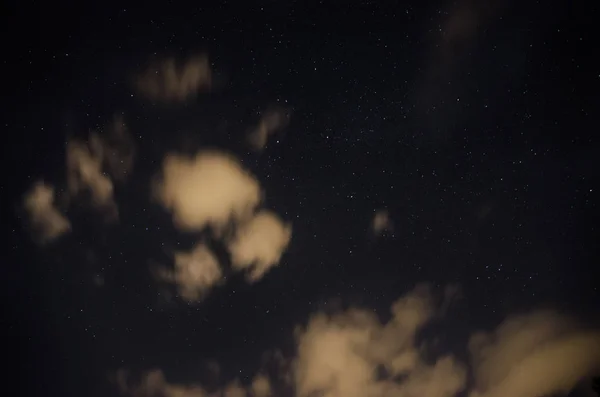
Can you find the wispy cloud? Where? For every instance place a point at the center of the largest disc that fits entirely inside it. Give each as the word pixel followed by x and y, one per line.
pixel 259 244
pixel 381 222
pixel 92 165
pixel 195 273
pixel 154 383
pixel 455 37
pixel 271 121
pixel 538 354
pixel 85 174
pixel 115 145
pixel 166 81
pixel 47 222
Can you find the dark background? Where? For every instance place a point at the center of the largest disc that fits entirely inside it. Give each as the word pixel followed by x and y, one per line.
pixel 485 154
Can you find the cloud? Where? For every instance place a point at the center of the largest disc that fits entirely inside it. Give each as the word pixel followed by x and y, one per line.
pixel 115 147
pixel 84 174
pixel 341 355
pixel 353 353
pixel 234 390
pixel 259 243
pixel 261 386
pixel 167 82
pixel 85 162
pixel 271 121
pixel 464 21
pixel 112 149
pixel 47 221
pixel 439 98
pixel 213 190
pixel 534 355
pixel 210 189
pixel 381 222
pixel 195 273
pixel 154 384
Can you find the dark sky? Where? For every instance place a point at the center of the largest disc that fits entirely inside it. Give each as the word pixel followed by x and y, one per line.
pixel 474 125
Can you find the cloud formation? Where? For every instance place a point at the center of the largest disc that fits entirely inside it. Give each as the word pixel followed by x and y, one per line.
pixel 47 221
pixel 271 121
pixel 348 354
pixel 353 354
pixel 465 20
pixel 213 190
pixel 154 383
pixel 539 354
pixel 115 147
pixel 381 222
pixel 112 150
pixel 210 189
pixel 259 244
pixel 85 174
pixel 166 81
pixel 261 386
pixel 195 273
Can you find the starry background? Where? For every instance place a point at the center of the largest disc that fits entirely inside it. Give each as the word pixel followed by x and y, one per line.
pixel 483 153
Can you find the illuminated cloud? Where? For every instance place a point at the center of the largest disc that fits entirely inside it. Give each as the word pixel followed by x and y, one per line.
pixel 271 121
pixel 115 146
pixel 340 355
pixel 261 386
pixel 154 383
pixel 210 189
pixel 234 390
pixel 213 190
pixel 381 222
pixel 353 353
pixel 195 272
pixel 111 148
pixel 539 354
pixel 259 243
pixel 47 221
pixel 84 174
pixel 167 82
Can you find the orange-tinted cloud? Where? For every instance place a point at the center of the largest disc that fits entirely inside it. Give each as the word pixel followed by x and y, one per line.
pixel 353 353
pixel 270 122
pixel 92 165
pixel 259 243
pixel 381 222
pixel 210 189
pixel 47 222
pixel 85 174
pixel 166 81
pixel 340 355
pixel 195 273
pixel 538 354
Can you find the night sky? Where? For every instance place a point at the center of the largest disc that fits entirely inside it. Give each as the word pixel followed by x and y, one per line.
pixel 326 158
